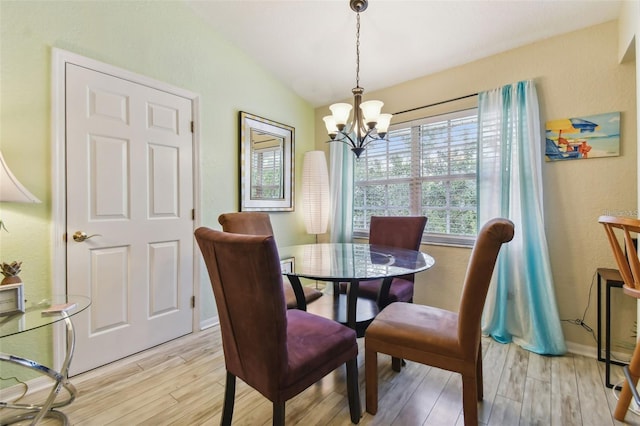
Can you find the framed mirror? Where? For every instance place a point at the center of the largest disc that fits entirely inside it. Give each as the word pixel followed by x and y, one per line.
pixel 266 164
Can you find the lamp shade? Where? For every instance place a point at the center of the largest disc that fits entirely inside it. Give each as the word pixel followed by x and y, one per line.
pixel 340 113
pixel 330 124
pixel 315 192
pixel 383 122
pixel 11 189
pixel 371 110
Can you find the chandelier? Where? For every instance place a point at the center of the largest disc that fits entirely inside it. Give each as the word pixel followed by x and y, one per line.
pixel 368 124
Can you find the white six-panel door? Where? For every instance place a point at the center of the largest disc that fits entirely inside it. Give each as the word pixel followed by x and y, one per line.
pixel 130 190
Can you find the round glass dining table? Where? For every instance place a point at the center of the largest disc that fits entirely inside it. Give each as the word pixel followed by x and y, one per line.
pixel 350 263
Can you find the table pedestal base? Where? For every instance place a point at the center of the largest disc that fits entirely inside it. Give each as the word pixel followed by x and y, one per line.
pixel 334 306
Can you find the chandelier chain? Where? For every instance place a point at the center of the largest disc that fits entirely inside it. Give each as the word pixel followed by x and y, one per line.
pixel 358 49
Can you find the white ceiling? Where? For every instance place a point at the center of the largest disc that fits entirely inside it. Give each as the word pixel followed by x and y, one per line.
pixel 310 44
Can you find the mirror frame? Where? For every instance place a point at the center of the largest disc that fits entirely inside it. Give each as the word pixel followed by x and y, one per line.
pixel 249 122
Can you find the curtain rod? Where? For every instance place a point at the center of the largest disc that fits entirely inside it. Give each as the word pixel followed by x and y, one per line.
pixel 437 103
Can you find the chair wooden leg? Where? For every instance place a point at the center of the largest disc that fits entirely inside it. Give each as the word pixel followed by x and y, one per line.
pixel 625 395
pixel 353 391
pixel 479 384
pixel 371 379
pixel 396 364
pixel 278 414
pixel 229 397
pixel 470 400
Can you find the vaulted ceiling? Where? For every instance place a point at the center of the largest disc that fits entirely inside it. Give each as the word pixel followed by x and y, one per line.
pixel 310 44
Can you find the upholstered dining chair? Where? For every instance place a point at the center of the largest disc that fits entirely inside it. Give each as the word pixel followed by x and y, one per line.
pixel 278 351
pixel 258 223
pixel 393 231
pixel 440 338
pixel 626 257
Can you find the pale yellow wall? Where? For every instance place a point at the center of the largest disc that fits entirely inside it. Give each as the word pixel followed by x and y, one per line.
pixel 576 74
pixel 629 51
pixel 164 40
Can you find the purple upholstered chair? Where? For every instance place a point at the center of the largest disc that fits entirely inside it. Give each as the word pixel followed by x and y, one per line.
pixel 278 351
pixel 393 231
pixel 258 223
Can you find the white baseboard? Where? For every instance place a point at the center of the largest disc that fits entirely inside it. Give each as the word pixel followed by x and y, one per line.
pixel 584 350
pixel 14 392
pixel 209 322
pixel 592 352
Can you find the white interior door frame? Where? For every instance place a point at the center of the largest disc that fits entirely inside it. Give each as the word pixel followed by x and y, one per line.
pixel 58 175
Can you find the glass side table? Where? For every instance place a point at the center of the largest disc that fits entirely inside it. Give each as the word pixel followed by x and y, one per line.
pixel 35 316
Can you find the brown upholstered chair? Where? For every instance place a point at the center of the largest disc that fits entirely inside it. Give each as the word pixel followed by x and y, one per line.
pixel 392 231
pixel 437 337
pixel 257 223
pixel 629 267
pixel 278 351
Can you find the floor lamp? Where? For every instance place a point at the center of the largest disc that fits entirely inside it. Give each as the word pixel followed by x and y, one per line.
pixel 315 192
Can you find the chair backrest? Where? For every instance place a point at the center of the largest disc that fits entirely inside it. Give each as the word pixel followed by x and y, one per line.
pixel 476 284
pixel 247 285
pixel 250 223
pixel 397 231
pixel 628 263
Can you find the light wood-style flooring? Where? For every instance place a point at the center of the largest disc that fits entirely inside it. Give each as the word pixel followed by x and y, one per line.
pixel 182 383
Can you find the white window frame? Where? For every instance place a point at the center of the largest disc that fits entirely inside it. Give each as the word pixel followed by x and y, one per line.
pixel 415 182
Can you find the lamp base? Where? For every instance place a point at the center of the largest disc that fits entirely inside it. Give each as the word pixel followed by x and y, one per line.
pixel 11 280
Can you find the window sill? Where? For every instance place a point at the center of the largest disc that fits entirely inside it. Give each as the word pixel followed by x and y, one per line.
pixel 443 241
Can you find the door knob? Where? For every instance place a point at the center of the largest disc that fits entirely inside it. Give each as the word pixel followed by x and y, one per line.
pixel 80 236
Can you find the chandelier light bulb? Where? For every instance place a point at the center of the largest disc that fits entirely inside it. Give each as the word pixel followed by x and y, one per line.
pixel 340 113
pixel 371 112
pixel 330 124
pixel 383 124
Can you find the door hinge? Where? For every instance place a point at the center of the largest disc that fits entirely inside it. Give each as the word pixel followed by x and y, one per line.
pixel 193 302
pixel 192 127
pixel 193 214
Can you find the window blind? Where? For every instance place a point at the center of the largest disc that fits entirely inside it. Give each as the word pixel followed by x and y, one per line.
pixel 428 167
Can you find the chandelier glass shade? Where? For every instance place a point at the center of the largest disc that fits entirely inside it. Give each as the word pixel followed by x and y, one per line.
pixel 368 124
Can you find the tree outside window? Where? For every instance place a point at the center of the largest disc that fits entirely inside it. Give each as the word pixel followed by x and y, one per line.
pixel 428 168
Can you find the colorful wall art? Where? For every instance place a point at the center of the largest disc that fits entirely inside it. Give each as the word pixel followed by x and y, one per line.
pixel 583 137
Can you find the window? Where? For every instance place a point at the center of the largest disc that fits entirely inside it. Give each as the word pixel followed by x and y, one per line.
pixel 428 167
